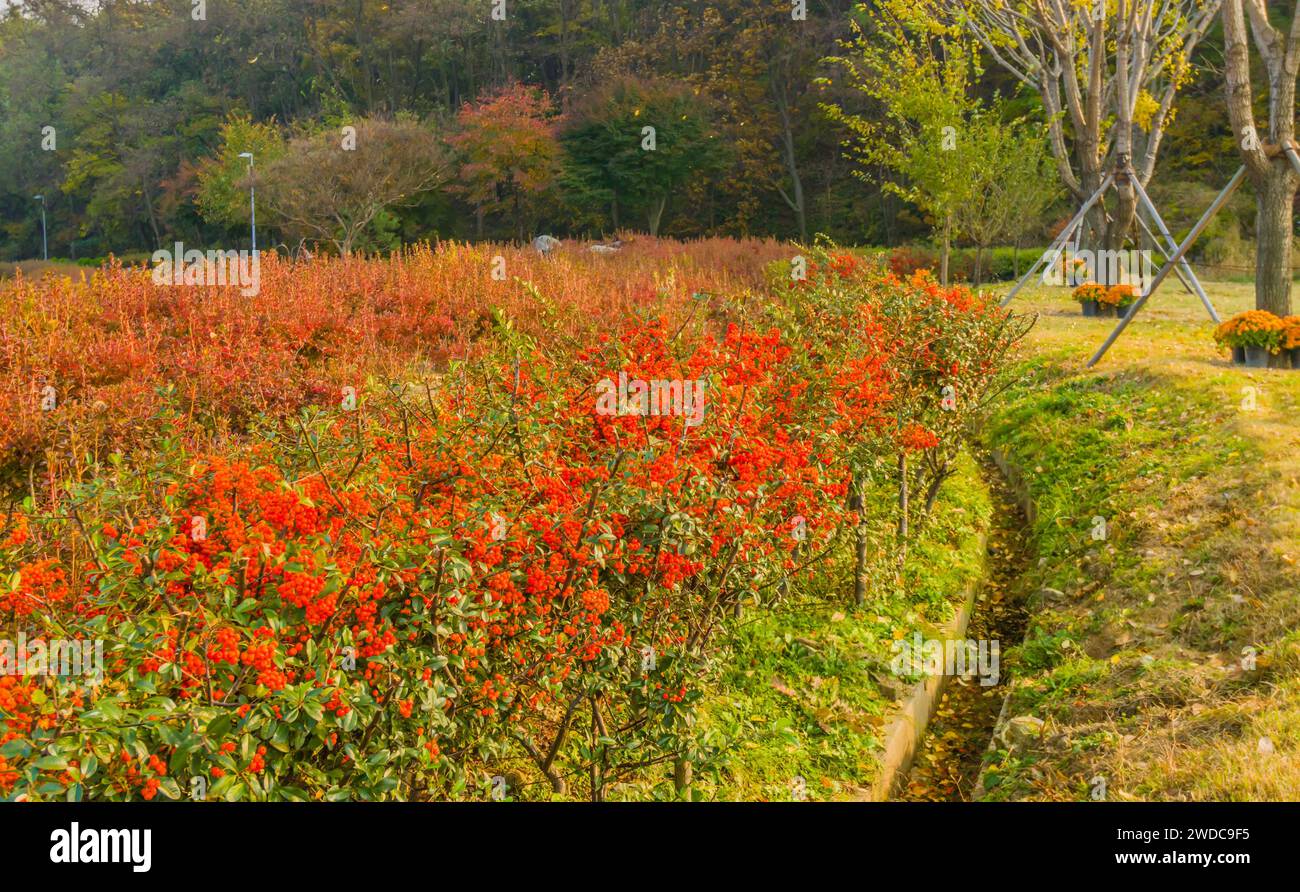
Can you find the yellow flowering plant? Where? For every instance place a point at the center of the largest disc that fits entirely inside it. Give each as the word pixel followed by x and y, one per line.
pixel 1090 291
pixel 1121 295
pixel 1253 328
pixel 1291 333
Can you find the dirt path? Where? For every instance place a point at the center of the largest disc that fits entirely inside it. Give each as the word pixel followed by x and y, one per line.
pixel 946 768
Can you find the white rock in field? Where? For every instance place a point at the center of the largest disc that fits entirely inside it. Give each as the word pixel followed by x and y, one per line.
pixel 1266 747
pixel 603 249
pixel 544 244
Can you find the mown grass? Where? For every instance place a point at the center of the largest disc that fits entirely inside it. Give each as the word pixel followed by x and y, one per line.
pixel 1139 657
pixel 801 707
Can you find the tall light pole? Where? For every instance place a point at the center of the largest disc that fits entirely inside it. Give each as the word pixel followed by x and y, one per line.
pixel 252 202
pixel 45 245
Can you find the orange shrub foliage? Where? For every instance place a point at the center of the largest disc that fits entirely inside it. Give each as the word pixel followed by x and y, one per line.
pixel 107 345
pixel 480 569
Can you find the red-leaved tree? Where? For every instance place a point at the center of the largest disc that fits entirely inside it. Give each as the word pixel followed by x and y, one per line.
pixel 508 154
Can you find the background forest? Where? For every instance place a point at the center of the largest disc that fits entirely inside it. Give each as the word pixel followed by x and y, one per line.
pixel 129 117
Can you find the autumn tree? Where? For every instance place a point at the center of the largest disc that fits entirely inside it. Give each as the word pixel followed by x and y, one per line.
pixel 922 119
pixel 1270 170
pixel 757 63
pixel 333 185
pixel 765 70
pixel 1107 72
pixel 1015 181
pixel 33 84
pixel 507 154
pixel 223 179
pixel 633 143
pixel 118 153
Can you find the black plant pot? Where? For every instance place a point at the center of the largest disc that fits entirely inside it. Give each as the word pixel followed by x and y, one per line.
pixel 1089 307
pixel 1256 358
pixel 1238 355
pixel 1295 358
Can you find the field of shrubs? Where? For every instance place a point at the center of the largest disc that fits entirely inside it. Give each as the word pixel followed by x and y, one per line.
pixel 411 528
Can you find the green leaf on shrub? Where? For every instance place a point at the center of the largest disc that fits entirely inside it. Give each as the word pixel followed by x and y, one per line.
pixel 219 727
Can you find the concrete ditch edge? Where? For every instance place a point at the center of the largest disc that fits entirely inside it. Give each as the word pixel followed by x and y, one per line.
pixel 906 731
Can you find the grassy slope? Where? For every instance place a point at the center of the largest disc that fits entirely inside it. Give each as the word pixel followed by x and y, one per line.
pixel 1134 659
pixel 807 692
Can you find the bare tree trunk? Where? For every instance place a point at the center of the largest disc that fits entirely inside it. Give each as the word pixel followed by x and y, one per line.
pixel 932 491
pixel 947 248
pixel 860 563
pixel 1093 231
pixel 563 89
pixel 1271 174
pixel 597 768
pixel 1125 211
pixel 1090 63
pixel 902 507
pixel 682 777
pixel 153 218
pixel 656 214
pixel 1121 221
pixel 858 505
pixel 1274 207
pixel 796 202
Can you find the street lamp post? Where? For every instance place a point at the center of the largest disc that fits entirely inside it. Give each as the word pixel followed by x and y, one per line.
pixel 252 201
pixel 45 245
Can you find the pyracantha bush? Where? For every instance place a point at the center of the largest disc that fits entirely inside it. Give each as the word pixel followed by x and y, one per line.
pixel 515 567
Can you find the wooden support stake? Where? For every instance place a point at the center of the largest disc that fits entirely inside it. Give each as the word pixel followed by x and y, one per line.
pixel 1213 209
pixel 1185 267
pixel 1054 248
pixel 1292 154
pixel 1161 248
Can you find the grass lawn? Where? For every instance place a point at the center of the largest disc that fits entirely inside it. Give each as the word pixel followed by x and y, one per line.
pixel 1164 658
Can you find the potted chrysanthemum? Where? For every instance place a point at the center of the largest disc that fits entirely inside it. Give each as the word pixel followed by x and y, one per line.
pixel 1092 298
pixel 1121 296
pixel 1255 337
pixel 1291 339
